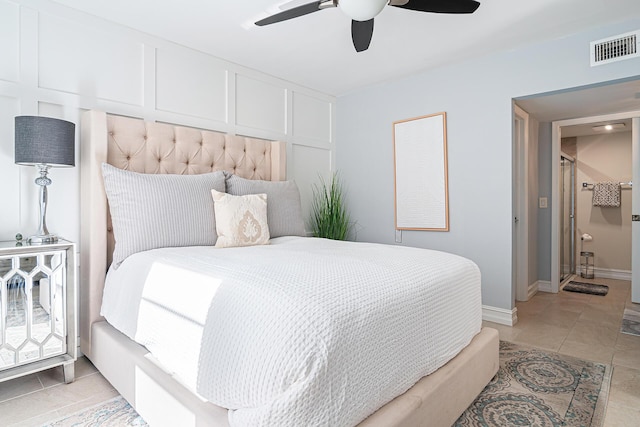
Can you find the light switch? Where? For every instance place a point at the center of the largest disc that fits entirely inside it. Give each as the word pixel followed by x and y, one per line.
pixel 398 236
pixel 543 202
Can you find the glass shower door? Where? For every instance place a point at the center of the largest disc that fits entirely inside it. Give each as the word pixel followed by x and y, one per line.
pixel 567 219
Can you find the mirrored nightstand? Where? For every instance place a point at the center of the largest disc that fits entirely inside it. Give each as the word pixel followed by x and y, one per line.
pixel 37 308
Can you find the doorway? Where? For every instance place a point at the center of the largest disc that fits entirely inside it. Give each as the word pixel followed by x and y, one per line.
pixel 557 230
pixel 611 100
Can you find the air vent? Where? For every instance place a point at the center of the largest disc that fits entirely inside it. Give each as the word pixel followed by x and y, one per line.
pixel 617 48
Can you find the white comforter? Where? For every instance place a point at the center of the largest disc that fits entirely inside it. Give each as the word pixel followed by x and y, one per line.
pixel 302 332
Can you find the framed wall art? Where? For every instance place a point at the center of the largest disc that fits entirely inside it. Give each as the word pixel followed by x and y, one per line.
pixel 420 165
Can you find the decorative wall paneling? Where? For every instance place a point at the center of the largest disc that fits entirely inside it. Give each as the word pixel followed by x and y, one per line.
pixel 90 62
pixel 191 83
pixel 59 62
pixel 9 172
pixel 9 41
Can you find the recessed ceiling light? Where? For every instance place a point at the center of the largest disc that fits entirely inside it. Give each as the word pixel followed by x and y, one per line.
pixel 608 127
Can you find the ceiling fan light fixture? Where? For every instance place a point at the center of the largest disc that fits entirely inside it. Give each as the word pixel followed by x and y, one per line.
pixel 362 10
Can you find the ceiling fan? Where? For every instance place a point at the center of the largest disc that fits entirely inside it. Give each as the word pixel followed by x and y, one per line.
pixel 362 13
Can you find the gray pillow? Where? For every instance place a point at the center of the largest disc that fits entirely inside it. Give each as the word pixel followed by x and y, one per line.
pixel 151 211
pixel 284 211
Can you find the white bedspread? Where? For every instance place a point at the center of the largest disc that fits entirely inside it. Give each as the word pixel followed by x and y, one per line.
pixel 302 332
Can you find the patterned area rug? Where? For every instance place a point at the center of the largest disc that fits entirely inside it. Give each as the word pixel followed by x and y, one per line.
pixel 532 388
pixel 631 320
pixel 539 388
pixel 112 413
pixel 586 288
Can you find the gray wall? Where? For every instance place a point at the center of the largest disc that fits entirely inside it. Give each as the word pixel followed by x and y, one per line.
pixel 533 200
pixel 544 189
pixel 477 96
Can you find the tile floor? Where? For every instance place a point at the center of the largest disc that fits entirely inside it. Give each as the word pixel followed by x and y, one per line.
pixel 43 397
pixel 587 327
pixel 579 325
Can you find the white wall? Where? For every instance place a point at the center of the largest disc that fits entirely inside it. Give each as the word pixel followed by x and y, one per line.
pixel 58 62
pixel 477 96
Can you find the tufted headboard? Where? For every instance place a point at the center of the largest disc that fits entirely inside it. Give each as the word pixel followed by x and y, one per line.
pixel 149 147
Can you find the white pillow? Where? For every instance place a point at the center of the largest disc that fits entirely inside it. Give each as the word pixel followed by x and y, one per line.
pixel 151 211
pixel 240 220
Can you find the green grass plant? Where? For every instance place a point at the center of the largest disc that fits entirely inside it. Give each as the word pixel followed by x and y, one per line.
pixel 329 217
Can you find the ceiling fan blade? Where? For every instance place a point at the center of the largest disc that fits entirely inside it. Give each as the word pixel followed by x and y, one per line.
pixel 361 33
pixel 438 6
pixel 295 12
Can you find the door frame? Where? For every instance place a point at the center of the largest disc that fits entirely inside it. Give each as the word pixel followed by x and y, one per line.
pixel 635 210
pixel 520 240
pixel 555 189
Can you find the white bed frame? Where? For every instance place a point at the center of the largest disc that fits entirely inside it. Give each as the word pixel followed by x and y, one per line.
pixel 435 400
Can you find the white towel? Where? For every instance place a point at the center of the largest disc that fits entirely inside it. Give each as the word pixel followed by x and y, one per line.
pixel 606 194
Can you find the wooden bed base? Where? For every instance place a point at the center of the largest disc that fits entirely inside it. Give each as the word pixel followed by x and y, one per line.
pixel 435 400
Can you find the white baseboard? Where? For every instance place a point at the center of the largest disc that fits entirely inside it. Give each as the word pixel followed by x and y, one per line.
pixel 500 315
pixel 609 273
pixel 544 286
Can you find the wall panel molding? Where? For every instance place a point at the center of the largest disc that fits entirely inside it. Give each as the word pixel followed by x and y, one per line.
pixel 9 171
pixel 191 83
pixel 96 64
pixel 261 104
pixel 70 61
pixel 306 166
pixel 312 118
pixel 9 41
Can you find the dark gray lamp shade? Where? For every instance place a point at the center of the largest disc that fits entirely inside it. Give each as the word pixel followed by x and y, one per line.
pixel 44 140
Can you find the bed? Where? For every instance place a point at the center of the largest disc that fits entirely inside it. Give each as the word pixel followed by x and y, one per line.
pixel 166 390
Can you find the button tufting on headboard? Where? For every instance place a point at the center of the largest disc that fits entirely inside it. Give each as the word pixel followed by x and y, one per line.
pixel 149 147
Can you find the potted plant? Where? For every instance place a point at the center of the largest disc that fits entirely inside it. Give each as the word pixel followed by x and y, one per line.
pixel 329 216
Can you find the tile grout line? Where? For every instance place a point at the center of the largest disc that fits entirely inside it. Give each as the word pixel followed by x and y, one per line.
pixel 45 388
pixel 40 380
pixel 56 412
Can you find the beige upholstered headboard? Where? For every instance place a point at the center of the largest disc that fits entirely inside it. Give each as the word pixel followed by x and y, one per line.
pixel 149 147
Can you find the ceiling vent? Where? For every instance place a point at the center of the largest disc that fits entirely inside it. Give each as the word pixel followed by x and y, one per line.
pixel 617 48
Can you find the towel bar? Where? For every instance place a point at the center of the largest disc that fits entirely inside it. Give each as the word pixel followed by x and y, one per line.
pixel 622 184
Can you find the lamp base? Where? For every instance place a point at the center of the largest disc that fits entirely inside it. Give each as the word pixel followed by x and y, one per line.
pixel 42 239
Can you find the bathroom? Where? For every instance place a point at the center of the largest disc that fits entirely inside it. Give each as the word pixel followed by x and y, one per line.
pixel 596 240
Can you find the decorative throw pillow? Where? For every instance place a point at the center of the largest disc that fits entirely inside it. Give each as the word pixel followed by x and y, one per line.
pixel 284 210
pixel 151 211
pixel 240 220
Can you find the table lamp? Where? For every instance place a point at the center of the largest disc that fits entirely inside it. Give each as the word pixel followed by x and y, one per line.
pixel 44 142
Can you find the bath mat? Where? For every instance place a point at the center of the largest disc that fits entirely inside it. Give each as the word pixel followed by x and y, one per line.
pixel 631 320
pixel 541 388
pixel 586 288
